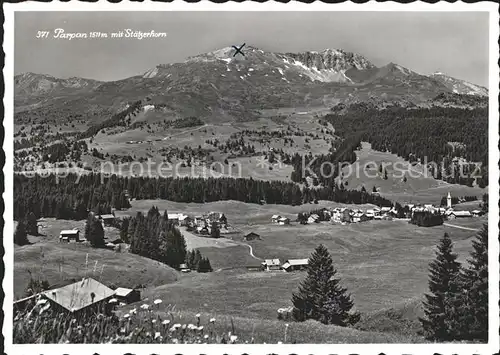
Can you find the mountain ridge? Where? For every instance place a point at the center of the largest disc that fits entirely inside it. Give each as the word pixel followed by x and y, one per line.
pixel 220 83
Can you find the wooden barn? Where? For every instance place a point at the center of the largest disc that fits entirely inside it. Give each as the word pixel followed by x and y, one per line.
pixel 107 219
pixel 295 264
pixel 127 295
pixel 69 235
pixel 271 264
pixel 87 295
pixel 252 236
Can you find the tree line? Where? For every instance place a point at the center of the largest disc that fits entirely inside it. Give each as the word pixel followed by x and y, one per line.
pixel 436 133
pixel 426 219
pixel 154 236
pixel 73 196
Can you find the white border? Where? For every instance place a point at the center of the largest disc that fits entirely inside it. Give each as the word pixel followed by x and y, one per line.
pixel 420 349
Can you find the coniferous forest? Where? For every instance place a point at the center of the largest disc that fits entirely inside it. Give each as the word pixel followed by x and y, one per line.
pixel 72 197
pixel 154 236
pixel 437 134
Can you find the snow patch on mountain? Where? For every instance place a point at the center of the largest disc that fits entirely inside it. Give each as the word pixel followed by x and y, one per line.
pixel 459 86
pixel 151 73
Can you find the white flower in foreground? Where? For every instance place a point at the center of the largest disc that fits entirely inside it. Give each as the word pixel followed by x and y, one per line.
pixel 145 306
pixel 205 336
pixel 200 328
pixel 126 315
pixel 157 301
pixel 41 301
pixel 279 342
pixel 153 321
pixel 177 325
pixel 212 320
pixel 233 338
pixel 198 315
pixel 286 325
pixel 165 322
pixel 184 326
pixel 157 335
pixel 191 326
pixel 133 311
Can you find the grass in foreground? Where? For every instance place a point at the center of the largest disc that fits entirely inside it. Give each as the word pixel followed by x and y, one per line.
pixel 145 324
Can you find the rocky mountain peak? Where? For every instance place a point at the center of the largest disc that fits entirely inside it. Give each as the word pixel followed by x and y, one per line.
pixel 335 59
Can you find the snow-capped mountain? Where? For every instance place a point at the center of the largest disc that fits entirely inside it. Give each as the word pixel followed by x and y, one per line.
pixel 222 85
pixel 458 86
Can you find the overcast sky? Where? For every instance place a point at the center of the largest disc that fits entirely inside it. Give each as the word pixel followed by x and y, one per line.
pixel 453 43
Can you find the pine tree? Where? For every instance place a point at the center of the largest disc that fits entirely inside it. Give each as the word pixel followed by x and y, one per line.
pixel 196 259
pixel 475 295
pixel 94 232
pixel 204 265
pixel 440 305
pixel 31 224
pixel 320 295
pixel 175 248
pixel 190 259
pixel 124 229
pixel 20 235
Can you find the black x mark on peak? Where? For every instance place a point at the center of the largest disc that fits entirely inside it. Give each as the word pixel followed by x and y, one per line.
pixel 238 50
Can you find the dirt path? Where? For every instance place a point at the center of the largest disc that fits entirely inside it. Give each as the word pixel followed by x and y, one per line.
pixel 187 131
pixel 460 227
pixel 251 251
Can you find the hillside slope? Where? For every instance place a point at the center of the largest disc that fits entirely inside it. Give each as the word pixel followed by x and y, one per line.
pixel 221 86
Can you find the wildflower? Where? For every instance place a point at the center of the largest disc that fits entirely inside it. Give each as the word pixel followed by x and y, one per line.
pixel 191 326
pixel 145 306
pixel 41 301
pixel 157 335
pixel 173 328
pixel 198 315
pixel 286 325
pixel 212 320
pixel 279 342
pixel 165 322
pixel 200 328
pixel 157 301
pixel 126 315
pixel 233 338
pixel 175 341
pixel 153 321
pixel 177 325
pixel 113 300
pixel 46 307
pixel 133 311
pixel 184 326
pixel 205 336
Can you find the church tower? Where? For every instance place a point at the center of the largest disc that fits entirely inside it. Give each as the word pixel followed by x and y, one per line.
pixel 448 200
